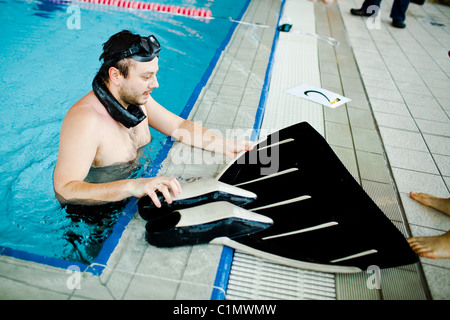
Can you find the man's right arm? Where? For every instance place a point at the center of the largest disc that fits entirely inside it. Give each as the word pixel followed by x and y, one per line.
pixel 77 149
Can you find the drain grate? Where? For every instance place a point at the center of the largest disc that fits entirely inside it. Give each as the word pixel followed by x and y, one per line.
pixel 254 278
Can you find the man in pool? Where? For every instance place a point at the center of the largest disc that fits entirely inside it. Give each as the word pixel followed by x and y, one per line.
pixel 110 124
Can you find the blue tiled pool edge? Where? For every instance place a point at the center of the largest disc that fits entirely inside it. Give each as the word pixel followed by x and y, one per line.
pixel 226 259
pixel 223 274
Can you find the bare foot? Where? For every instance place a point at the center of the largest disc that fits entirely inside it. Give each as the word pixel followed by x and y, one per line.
pixel 436 247
pixel 441 204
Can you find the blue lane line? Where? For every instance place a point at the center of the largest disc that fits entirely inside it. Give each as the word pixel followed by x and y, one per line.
pixel 22 255
pixel 226 259
pixel 223 274
pixel 265 90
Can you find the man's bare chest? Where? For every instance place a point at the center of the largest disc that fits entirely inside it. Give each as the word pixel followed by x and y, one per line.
pixel 121 146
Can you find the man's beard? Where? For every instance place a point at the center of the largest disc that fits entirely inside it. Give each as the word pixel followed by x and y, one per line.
pixel 130 97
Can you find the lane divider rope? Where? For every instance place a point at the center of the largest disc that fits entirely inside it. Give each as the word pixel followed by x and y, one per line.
pixel 140 5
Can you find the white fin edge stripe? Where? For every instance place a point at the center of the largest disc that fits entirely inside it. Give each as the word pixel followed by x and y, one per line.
pixel 273 175
pixel 276 144
pixel 320 226
pixel 357 255
pixel 282 203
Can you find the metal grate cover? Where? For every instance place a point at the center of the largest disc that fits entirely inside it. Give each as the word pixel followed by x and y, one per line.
pixel 253 278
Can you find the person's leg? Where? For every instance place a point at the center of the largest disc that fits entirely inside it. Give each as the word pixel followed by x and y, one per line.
pixel 398 12
pixel 367 8
pixel 366 4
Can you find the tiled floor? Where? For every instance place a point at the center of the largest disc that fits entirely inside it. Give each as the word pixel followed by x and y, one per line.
pixel 350 130
pixel 394 137
pixel 404 74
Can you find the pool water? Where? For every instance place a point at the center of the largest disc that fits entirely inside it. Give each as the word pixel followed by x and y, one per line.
pixel 46 68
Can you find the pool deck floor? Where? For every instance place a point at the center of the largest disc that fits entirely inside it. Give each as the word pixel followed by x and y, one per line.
pixel 393 136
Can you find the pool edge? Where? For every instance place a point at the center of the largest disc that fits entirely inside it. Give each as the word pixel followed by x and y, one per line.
pixel 226 259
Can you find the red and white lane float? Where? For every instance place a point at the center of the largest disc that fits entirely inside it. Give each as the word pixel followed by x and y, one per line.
pixel 196 12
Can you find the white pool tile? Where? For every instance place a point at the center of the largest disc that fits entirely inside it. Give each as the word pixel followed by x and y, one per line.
pixel 389 107
pixel 409 180
pixel 411 160
pixel 438 144
pixel 434 127
pixel 443 164
pixel 403 139
pixel 396 121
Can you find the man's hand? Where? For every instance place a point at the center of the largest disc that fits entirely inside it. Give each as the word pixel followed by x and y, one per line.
pixel 234 147
pixel 148 186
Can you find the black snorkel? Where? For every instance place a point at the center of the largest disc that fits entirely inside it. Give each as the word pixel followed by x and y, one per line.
pixel 145 50
pixel 129 117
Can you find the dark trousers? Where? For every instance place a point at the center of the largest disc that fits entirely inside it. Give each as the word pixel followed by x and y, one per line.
pixel 398 11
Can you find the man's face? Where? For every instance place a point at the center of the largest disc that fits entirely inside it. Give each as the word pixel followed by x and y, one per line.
pixel 141 81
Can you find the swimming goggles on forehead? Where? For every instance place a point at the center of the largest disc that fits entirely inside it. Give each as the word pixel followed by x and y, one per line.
pixel 145 50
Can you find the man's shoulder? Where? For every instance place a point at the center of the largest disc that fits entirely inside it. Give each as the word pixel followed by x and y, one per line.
pixel 87 111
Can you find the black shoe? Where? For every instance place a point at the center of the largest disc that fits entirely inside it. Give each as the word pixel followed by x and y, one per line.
pixel 360 12
pixel 398 24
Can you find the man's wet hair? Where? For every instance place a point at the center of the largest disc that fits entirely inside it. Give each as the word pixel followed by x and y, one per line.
pixel 119 42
